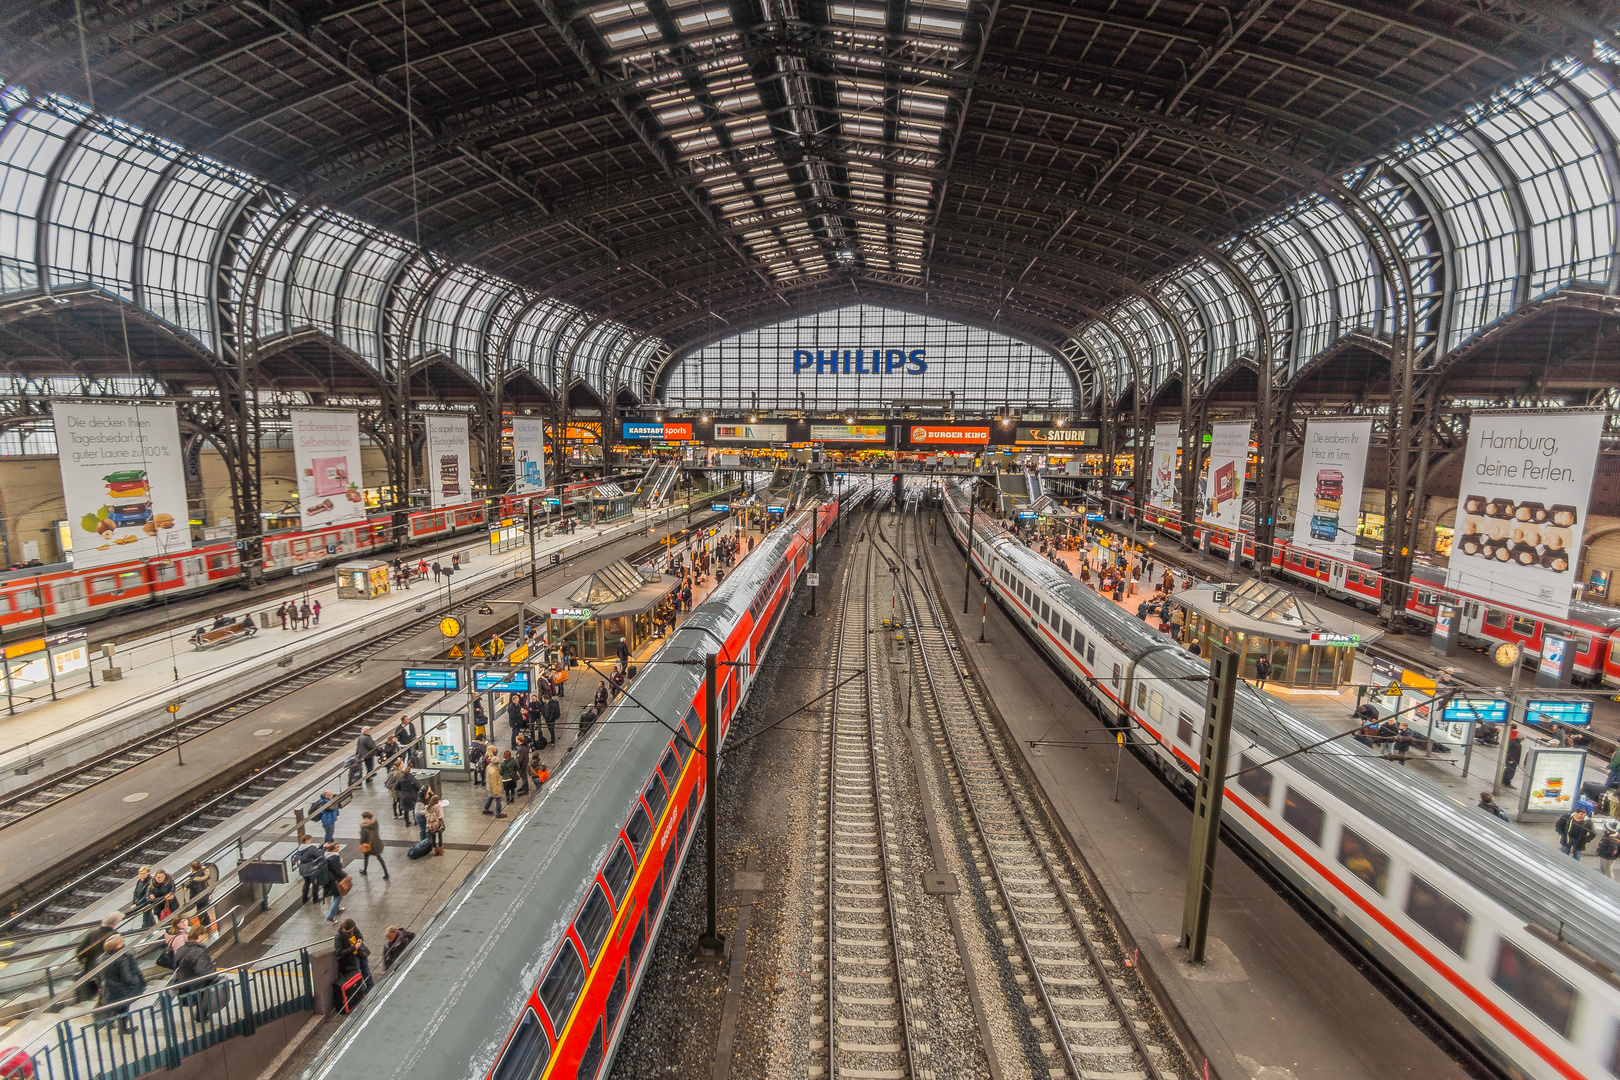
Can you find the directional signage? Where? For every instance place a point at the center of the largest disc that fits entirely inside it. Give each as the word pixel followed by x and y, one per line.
pixel 1558 711
pixel 516 681
pixel 1462 710
pixel 720 508
pixel 433 678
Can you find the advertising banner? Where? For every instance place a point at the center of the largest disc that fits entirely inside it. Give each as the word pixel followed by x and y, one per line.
pixel 1059 438
pixel 448 464
pixel 954 435
pixel 1330 478
pixel 528 454
pixel 122 481
pixel 326 455
pixel 1555 780
pixel 1220 502
pixel 1522 512
pixel 1162 484
pixel 860 433
pixel 658 432
pixel 750 433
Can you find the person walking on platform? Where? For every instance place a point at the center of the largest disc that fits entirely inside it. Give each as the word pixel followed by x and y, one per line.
pixel 433 818
pixel 492 785
pixel 509 774
pixel 1262 672
pixel 623 653
pixel 365 748
pixel 311 864
pixel 552 713
pixel 408 790
pixel 335 876
pixel 89 951
pixel 121 981
pixel 315 611
pixel 371 845
pixel 1608 850
pixel 325 809
pixel 281 613
pixel 1574 833
pixel 1515 752
pixel 523 757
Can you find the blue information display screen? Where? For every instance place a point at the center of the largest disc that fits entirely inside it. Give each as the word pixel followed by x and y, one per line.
pixel 503 682
pixel 1558 711
pixel 432 678
pixel 1463 710
pixel 720 508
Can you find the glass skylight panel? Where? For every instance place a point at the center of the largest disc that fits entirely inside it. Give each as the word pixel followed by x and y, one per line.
pixel 439 321
pixel 97 208
pixel 1313 286
pixel 315 273
pixel 359 321
pixel 706 19
pixel 1355 270
pixel 861 16
pixel 177 249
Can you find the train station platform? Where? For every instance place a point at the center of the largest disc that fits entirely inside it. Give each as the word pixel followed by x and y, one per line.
pixel 1275 999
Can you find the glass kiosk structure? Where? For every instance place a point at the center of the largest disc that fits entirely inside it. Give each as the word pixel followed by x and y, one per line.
pixel 1308 648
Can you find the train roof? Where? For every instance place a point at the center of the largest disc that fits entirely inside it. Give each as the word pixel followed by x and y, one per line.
pixel 1523 874
pixel 467 977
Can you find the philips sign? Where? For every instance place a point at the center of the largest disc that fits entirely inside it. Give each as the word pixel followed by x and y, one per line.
pixel 856 361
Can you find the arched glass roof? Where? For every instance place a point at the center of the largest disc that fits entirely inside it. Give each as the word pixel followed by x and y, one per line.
pixel 868 357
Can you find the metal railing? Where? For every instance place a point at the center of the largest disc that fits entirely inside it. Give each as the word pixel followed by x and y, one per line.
pixel 161 1028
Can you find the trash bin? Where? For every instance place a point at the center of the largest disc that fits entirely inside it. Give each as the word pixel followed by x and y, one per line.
pixel 431 778
pixel 264 620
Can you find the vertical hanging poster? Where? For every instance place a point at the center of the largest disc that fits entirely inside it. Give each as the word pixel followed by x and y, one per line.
pixel 528 454
pixel 448 466
pixel 1330 478
pixel 1220 502
pixel 326 455
pixel 1162 484
pixel 122 481
pixel 1526 481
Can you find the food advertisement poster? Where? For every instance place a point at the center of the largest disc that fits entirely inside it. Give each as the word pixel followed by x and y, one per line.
pixel 1522 507
pixel 529 454
pixel 447 467
pixel 1162 485
pixel 750 433
pixel 1555 780
pixel 122 481
pixel 326 453
pixel 1330 478
pixel 1220 503
pixel 862 433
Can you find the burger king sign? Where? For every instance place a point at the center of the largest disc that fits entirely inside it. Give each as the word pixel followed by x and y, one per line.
pixel 952 435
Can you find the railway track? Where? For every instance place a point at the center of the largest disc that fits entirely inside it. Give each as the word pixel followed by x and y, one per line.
pixel 23 802
pixel 1090 1012
pixel 871 966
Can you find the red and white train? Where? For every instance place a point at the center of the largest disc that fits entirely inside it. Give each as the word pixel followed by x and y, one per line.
pixel 48 597
pixel 1594 627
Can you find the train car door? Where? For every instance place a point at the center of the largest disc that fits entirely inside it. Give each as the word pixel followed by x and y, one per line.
pixel 1336 571
pixel 1471 619
pixel 193 571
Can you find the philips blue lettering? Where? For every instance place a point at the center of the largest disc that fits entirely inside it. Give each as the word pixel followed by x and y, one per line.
pixel 917 359
pixel 801 360
pixel 846 361
pixel 825 362
pixel 894 360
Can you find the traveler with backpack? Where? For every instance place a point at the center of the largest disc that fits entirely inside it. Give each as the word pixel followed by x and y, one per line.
pixel 195 974
pixel 371 844
pixel 509 775
pixel 433 816
pixel 121 981
pixel 325 809
pixel 311 863
pixel 1574 833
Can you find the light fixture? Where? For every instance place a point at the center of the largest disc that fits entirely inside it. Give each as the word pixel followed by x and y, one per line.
pixel 705 418
pixel 752 418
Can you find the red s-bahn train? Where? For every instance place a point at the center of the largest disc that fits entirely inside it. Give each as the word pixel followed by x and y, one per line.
pixel 57 595
pixel 1595 628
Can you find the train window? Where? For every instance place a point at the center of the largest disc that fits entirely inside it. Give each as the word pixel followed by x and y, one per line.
pixel 527 1052
pixel 671 768
pixel 616 996
pixel 219 562
pixel 618 871
pixel 1091 655
pixel 166 571
pixel 1533 985
pixel 1436 913
pixel 640 829
pixel 1305 816
pixel 1353 577
pixel 1363 859
pixel 638 940
pixel 1525 627
pixel 591 924
pixel 591 1059
pixel 26 599
pixel 560 988
pixel 1156 707
pixel 1116 674
pixel 1067 631
pixel 1184 728
pixel 1496 617
pixel 657 798
pixel 1310 564
pixel 682 748
pixel 1253 779
pixel 1141 696
pixel 1079 641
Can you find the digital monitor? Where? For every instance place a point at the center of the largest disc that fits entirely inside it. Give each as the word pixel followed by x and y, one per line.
pixel 1558 711
pixel 1463 710
pixel 720 508
pixel 503 682
pixel 432 678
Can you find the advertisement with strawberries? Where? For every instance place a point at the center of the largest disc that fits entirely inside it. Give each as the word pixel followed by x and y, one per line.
pixel 326 453
pixel 122 481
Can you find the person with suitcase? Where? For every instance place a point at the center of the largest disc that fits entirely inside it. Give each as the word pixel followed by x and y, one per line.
pixel 354 973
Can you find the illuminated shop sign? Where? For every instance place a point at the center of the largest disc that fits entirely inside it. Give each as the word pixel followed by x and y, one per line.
pixel 860 361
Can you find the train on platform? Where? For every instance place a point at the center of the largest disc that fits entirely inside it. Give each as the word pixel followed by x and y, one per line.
pixel 530 969
pixel 57 595
pixel 1514 946
pixel 1594 628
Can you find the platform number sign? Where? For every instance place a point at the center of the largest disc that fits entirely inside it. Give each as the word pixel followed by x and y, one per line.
pixel 812 580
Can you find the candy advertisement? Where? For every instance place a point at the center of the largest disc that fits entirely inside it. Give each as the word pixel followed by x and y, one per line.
pixel 1522 509
pixel 447 466
pixel 122 481
pixel 326 454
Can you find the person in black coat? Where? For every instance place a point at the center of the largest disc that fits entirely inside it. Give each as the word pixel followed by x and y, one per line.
pixel 143 898
pixel 350 951
pixel 1515 752
pixel 537 716
pixel 195 972
pixel 516 716
pixel 396 941
pixel 90 952
pixel 121 982
pixel 365 748
pixel 553 713
pixel 408 789
pixel 160 897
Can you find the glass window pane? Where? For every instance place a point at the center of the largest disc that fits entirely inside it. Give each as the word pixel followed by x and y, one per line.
pixel 1255 781
pixel 1533 985
pixel 1304 815
pixel 1364 860
pixel 618 871
pixel 1437 914
pixel 562 984
pixel 527 1053
pixel 591 924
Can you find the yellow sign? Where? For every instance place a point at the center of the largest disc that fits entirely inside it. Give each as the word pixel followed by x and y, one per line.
pixel 1394 690
pixel 175 707
pixel 23 648
pixel 478 652
pixel 455 652
pixel 450 626
pixel 519 654
pixel 1418 682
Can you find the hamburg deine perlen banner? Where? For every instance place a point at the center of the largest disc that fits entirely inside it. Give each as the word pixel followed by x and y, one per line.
pixel 122 481
pixel 1330 478
pixel 1522 507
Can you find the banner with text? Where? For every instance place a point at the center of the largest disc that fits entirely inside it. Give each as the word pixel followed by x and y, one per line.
pixel 1220 496
pixel 1058 438
pixel 122 481
pixel 528 454
pixel 931 435
pixel 326 453
pixel 1162 484
pixel 858 433
pixel 1526 481
pixel 1330 478
pixel 750 433
pixel 448 466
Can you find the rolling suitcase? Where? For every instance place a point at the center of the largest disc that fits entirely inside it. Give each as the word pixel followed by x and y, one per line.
pixel 420 848
pixel 352 991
